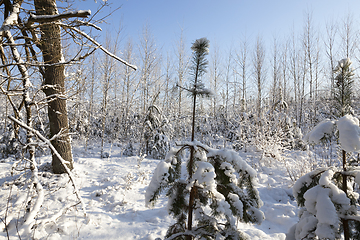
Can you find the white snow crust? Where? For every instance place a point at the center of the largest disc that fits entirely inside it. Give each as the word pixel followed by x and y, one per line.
pixel 349 133
pixel 323 129
pixel 114 189
pixel 160 177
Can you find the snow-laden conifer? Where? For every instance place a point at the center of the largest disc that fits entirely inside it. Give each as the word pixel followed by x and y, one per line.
pixel 224 187
pixel 157 143
pixel 343 89
pixel 329 204
pixel 320 132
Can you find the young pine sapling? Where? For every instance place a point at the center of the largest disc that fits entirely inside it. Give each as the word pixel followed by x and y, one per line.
pixel 217 187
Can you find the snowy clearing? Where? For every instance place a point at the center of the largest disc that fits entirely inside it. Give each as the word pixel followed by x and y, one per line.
pixel 114 193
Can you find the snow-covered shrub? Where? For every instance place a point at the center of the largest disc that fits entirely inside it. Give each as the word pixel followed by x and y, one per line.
pixel 281 129
pixel 161 146
pixel 157 143
pixel 9 144
pixel 324 130
pixel 326 195
pixel 79 122
pixel 242 134
pixel 224 190
pixel 323 205
pixel 129 150
pixel 274 132
pixel 292 138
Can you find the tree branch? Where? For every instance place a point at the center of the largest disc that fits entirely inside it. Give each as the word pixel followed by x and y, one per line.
pixel 11 20
pixel 98 45
pixel 51 18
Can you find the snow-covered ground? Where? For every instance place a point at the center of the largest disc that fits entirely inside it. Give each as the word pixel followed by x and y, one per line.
pixel 114 193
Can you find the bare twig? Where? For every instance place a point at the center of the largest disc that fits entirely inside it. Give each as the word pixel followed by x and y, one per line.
pixel 98 45
pixel 83 23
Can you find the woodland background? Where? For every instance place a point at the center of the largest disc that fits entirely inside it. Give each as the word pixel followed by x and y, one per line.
pixel 265 97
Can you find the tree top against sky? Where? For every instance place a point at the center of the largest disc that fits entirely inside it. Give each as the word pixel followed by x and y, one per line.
pixel 223 22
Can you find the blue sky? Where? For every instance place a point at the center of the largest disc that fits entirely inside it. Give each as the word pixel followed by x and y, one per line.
pixel 223 22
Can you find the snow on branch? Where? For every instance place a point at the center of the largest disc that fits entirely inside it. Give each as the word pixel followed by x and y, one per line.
pixel 159 180
pixel 351 217
pixel 17 58
pixel 323 130
pixel 98 45
pixel 63 162
pixel 51 18
pixel 71 61
pixel 11 19
pixel 349 133
pixel 186 233
pixel 31 215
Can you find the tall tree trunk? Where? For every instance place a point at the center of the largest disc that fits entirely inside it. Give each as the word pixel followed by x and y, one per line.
pixel 54 85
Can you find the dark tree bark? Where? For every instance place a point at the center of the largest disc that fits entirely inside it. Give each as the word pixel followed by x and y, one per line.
pixel 54 85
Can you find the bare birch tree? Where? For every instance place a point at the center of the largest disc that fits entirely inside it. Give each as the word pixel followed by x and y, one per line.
pixel 258 63
pixel 227 84
pixel 148 63
pixel 295 73
pixel 182 63
pixel 275 86
pixel 311 50
pixel 168 102
pixel 348 37
pixel 215 77
pixel 285 71
pixel 309 41
pixel 241 60
pixel 130 84
pixel 108 72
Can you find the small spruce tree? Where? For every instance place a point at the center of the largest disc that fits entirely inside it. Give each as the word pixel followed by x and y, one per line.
pixel 217 187
pixel 157 143
pixel 343 89
pixel 224 190
pixel 343 96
